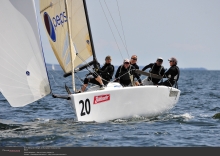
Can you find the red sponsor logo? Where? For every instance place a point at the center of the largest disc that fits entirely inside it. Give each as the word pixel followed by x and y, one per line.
pixel 101 98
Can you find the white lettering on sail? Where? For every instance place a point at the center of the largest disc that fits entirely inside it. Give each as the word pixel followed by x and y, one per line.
pixel 101 98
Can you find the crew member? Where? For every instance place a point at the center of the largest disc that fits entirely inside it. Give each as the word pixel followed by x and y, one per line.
pixel 155 68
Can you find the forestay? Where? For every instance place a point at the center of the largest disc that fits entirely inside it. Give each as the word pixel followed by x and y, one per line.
pixel 23 78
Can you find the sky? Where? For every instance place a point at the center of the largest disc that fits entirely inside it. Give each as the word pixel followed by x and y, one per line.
pixel 186 29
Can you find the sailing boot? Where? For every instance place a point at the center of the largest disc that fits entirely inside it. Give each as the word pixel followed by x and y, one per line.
pixel 79 91
pixel 102 87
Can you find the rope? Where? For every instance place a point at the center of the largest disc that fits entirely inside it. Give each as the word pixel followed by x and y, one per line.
pixel 111 29
pixel 116 27
pixel 54 79
pixel 122 29
pixel 168 80
pixel 79 79
pixel 87 64
pixel 123 75
pixel 176 84
pixel 95 73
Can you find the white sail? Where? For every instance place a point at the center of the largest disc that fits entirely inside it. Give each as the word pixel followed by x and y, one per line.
pixel 54 17
pixel 79 31
pixel 53 67
pixel 23 78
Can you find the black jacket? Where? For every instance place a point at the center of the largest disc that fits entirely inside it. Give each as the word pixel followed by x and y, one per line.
pixel 171 73
pixel 135 66
pixel 155 69
pixel 107 71
pixel 125 79
pixel 137 76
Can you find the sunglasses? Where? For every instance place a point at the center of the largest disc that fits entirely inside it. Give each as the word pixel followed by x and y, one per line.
pixel 126 63
pixel 171 61
pixel 133 58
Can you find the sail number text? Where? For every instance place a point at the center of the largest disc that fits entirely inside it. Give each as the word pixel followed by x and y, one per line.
pixel 86 108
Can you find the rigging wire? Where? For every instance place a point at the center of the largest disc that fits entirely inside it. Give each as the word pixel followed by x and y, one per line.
pixel 111 29
pixel 58 85
pixel 80 80
pixel 123 29
pixel 116 27
pixel 94 72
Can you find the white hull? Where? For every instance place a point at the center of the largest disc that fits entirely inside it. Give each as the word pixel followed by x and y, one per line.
pixel 118 102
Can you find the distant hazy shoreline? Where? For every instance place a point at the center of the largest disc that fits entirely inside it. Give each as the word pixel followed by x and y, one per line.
pixel 57 67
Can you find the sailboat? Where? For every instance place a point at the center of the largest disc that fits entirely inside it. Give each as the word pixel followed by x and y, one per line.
pixel 53 67
pixel 68 30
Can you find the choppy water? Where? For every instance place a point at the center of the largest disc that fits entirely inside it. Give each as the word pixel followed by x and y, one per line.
pixel 51 122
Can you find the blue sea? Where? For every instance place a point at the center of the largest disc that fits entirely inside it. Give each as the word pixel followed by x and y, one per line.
pixel 52 122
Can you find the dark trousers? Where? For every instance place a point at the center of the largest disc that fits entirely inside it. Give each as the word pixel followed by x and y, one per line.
pixel 125 82
pixel 168 83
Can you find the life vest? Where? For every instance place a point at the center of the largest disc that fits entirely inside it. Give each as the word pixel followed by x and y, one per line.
pixel 151 70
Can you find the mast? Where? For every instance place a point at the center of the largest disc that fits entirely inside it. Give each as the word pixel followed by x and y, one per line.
pixel 94 62
pixel 90 34
pixel 70 45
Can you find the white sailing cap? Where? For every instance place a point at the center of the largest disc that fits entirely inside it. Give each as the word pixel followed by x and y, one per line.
pixel 126 60
pixel 160 58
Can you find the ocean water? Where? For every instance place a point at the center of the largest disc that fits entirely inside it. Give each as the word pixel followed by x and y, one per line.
pixel 52 122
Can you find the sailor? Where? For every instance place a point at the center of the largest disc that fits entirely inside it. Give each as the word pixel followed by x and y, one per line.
pixel 133 62
pixel 155 68
pixel 124 74
pixel 101 76
pixel 107 70
pixel 172 74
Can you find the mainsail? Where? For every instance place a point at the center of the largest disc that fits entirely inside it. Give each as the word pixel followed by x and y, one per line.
pixel 23 78
pixel 54 15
